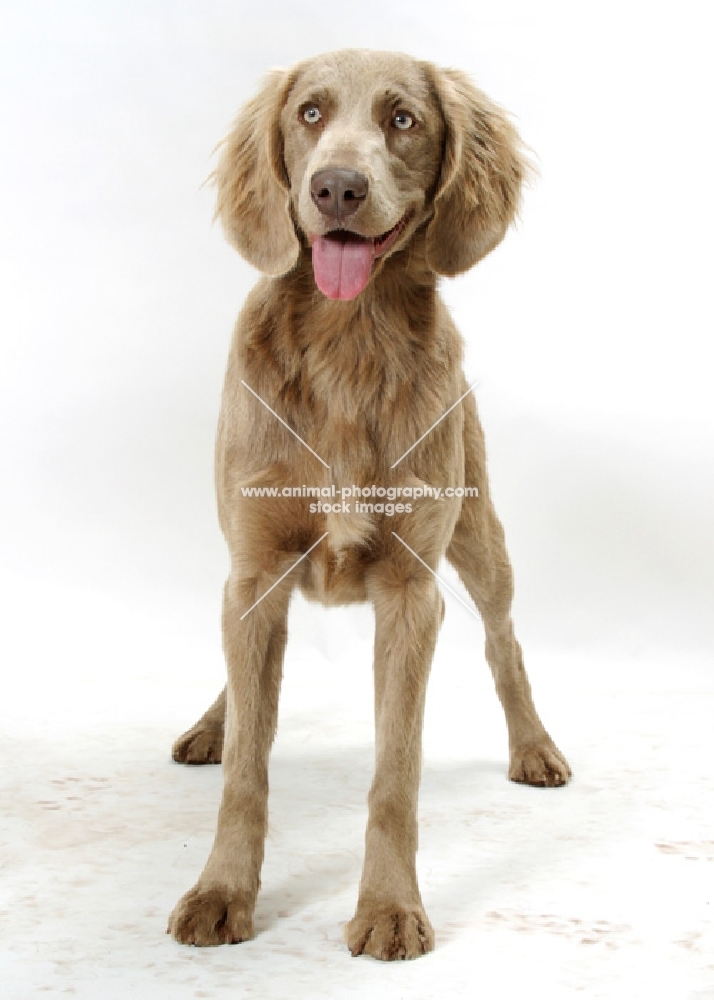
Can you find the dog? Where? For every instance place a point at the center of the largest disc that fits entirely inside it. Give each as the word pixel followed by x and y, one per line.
pixel 353 181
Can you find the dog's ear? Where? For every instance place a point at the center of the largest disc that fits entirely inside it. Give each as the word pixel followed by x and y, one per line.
pixel 253 187
pixel 482 170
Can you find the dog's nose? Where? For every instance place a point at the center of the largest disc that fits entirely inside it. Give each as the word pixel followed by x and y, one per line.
pixel 338 192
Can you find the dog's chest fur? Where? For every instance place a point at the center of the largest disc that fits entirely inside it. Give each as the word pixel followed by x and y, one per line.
pixel 360 382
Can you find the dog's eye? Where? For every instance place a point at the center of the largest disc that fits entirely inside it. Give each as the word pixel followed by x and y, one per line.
pixel 312 114
pixel 402 120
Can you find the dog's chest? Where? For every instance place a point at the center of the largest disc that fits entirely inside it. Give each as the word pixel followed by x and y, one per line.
pixel 365 408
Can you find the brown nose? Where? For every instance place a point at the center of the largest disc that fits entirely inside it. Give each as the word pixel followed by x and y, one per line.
pixel 338 192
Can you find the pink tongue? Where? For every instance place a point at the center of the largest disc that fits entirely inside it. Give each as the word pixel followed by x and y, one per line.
pixel 341 270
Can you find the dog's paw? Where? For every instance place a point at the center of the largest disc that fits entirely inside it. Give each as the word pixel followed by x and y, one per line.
pixel 539 762
pixel 389 932
pixel 202 744
pixel 212 916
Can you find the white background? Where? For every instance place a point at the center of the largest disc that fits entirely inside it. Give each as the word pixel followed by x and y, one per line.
pixel 588 331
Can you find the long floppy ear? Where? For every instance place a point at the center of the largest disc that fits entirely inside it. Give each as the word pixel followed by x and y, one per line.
pixel 481 174
pixel 253 191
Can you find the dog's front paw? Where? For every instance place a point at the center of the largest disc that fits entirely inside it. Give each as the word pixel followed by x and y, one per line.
pixel 202 744
pixel 539 762
pixel 212 916
pixel 389 931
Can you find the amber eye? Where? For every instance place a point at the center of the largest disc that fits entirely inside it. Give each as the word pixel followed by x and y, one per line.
pixel 402 120
pixel 312 114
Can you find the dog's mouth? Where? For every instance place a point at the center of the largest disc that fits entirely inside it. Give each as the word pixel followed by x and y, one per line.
pixel 342 260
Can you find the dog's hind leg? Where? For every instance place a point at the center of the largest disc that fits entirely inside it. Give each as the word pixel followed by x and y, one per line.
pixel 203 742
pixel 478 552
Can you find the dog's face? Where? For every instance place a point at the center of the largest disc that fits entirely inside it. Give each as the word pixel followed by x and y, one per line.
pixel 349 153
pixel 362 145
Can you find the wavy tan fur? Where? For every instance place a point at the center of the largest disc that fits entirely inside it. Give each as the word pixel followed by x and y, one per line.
pixel 359 381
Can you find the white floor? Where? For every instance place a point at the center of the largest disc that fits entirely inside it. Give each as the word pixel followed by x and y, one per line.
pixel 601 889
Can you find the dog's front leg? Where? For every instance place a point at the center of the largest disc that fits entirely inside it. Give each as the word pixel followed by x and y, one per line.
pixel 219 909
pixel 390 921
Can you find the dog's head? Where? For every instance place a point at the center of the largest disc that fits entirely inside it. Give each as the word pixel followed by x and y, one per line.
pixel 350 153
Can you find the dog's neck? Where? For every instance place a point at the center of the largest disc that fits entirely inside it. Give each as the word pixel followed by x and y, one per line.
pixel 353 361
pixel 391 335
